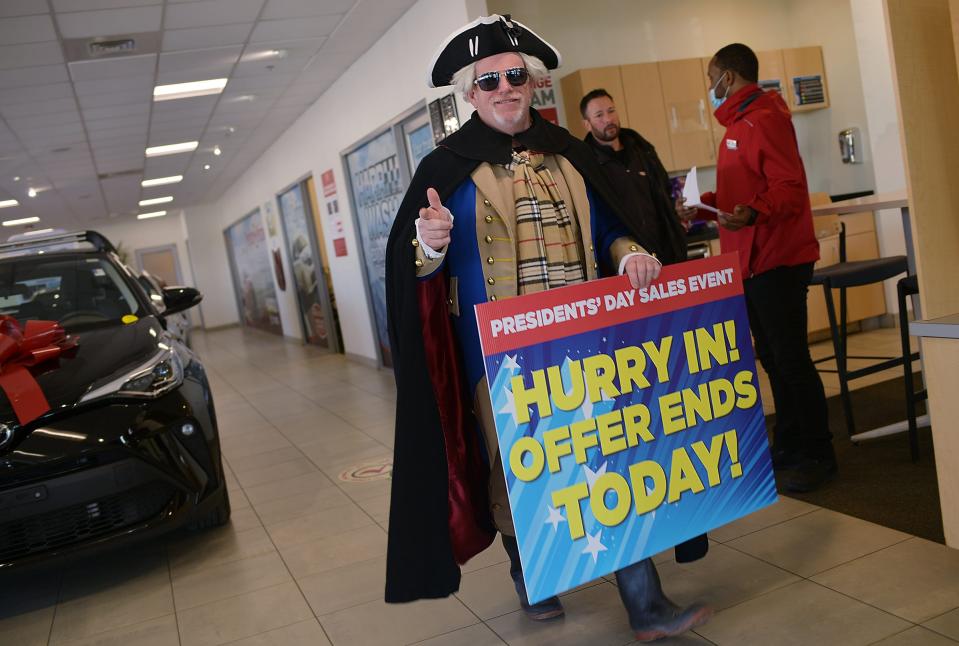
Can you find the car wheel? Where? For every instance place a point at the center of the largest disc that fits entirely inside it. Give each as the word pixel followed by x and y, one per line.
pixel 219 515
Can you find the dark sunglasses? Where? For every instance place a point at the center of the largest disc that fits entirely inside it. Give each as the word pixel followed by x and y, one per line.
pixel 515 76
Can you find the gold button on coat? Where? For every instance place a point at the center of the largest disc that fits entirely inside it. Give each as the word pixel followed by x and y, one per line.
pixel 416 242
pixel 486 203
pixel 492 297
pixel 489 218
pixel 490 260
pixel 491 280
pixel 418 262
pixel 489 239
pixel 633 247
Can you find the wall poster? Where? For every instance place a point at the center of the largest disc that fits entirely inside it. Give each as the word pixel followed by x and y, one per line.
pixel 253 273
pixel 308 278
pixel 379 170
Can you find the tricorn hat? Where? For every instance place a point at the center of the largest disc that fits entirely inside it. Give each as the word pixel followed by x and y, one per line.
pixel 487 36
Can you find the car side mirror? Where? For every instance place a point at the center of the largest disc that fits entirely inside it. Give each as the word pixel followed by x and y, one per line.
pixel 178 299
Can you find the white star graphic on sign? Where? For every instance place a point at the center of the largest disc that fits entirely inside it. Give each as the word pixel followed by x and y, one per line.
pixel 594 545
pixel 510 405
pixel 592 475
pixel 587 408
pixel 555 517
pixel 510 363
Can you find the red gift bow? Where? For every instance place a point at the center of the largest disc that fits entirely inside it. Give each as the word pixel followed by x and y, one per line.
pixel 22 348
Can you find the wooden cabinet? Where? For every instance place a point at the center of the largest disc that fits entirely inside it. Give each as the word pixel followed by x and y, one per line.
pixel 644 111
pixel 687 113
pixel 805 79
pixel 668 102
pixel 576 85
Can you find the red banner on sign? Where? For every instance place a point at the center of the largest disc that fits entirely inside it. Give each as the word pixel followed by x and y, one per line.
pixel 537 318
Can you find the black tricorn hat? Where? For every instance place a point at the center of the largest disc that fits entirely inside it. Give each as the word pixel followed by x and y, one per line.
pixel 487 36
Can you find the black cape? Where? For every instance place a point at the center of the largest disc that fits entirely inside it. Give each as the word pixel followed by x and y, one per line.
pixel 420 553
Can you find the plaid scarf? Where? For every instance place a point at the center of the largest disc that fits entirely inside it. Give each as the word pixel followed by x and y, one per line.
pixel 547 239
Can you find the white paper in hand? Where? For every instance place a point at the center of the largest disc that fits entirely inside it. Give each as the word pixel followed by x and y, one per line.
pixel 691 192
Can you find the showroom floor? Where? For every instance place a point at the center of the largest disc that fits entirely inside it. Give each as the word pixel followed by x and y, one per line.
pixel 307 439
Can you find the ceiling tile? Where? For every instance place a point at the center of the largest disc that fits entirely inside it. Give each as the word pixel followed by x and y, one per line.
pixel 36 94
pixel 209 13
pixel 20 124
pixel 21 8
pixel 115 111
pixel 98 125
pixel 30 54
pixel 113 99
pixel 105 86
pixel 267 30
pixel 141 67
pixel 28 29
pixel 303 8
pixel 109 22
pixel 25 76
pixel 92 5
pixel 216 61
pixel 205 37
pixel 49 106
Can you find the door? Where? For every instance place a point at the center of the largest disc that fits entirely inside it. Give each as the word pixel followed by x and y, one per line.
pixel 161 262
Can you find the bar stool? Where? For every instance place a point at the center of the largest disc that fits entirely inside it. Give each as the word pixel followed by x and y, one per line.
pixel 906 287
pixel 842 276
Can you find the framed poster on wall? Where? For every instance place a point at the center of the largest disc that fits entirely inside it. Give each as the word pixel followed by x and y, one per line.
pixel 379 169
pixel 308 278
pixel 253 273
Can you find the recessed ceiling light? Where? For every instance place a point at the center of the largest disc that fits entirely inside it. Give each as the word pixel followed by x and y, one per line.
pixel 242 98
pixel 7 203
pixel 156 200
pixel 172 149
pixel 151 214
pixel 160 181
pixel 31 192
pixel 16 178
pixel 36 232
pixel 217 151
pixel 187 90
pixel 13 223
pixel 206 167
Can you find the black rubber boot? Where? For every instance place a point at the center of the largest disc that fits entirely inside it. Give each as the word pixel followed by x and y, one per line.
pixel 546 609
pixel 652 615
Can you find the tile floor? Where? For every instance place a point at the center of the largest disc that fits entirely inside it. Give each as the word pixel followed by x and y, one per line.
pixel 302 561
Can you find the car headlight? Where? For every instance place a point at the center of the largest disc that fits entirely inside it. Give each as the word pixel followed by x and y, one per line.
pixel 156 377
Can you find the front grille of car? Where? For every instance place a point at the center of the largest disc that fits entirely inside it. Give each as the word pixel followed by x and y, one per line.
pixel 81 522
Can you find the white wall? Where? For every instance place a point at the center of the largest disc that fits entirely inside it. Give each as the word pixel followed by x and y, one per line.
pixel 612 32
pixel 386 81
pixel 872 43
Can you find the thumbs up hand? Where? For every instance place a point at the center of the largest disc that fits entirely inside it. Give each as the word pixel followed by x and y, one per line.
pixel 435 222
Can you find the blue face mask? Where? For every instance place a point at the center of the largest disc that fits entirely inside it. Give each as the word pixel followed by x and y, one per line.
pixel 717 101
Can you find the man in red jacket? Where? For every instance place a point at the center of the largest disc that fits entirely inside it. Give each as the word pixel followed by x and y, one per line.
pixel 765 216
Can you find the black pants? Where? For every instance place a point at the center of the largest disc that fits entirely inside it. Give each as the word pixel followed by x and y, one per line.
pixel 776 302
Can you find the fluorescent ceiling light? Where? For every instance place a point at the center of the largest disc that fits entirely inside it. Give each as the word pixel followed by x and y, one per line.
pixel 160 181
pixel 13 223
pixel 5 203
pixel 187 90
pixel 152 214
pixel 36 232
pixel 172 149
pixel 156 200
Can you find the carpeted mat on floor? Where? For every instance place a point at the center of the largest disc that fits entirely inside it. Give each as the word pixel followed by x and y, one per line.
pixel 877 480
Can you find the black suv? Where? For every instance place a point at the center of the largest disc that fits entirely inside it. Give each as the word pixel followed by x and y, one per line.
pixel 128 445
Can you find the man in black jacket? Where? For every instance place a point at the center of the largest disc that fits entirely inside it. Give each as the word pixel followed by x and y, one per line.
pixel 634 171
pixel 633 168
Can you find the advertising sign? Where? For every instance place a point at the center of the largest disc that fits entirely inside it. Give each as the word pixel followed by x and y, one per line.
pixel 253 273
pixel 628 420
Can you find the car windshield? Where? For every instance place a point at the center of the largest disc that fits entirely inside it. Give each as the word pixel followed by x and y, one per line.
pixel 75 290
